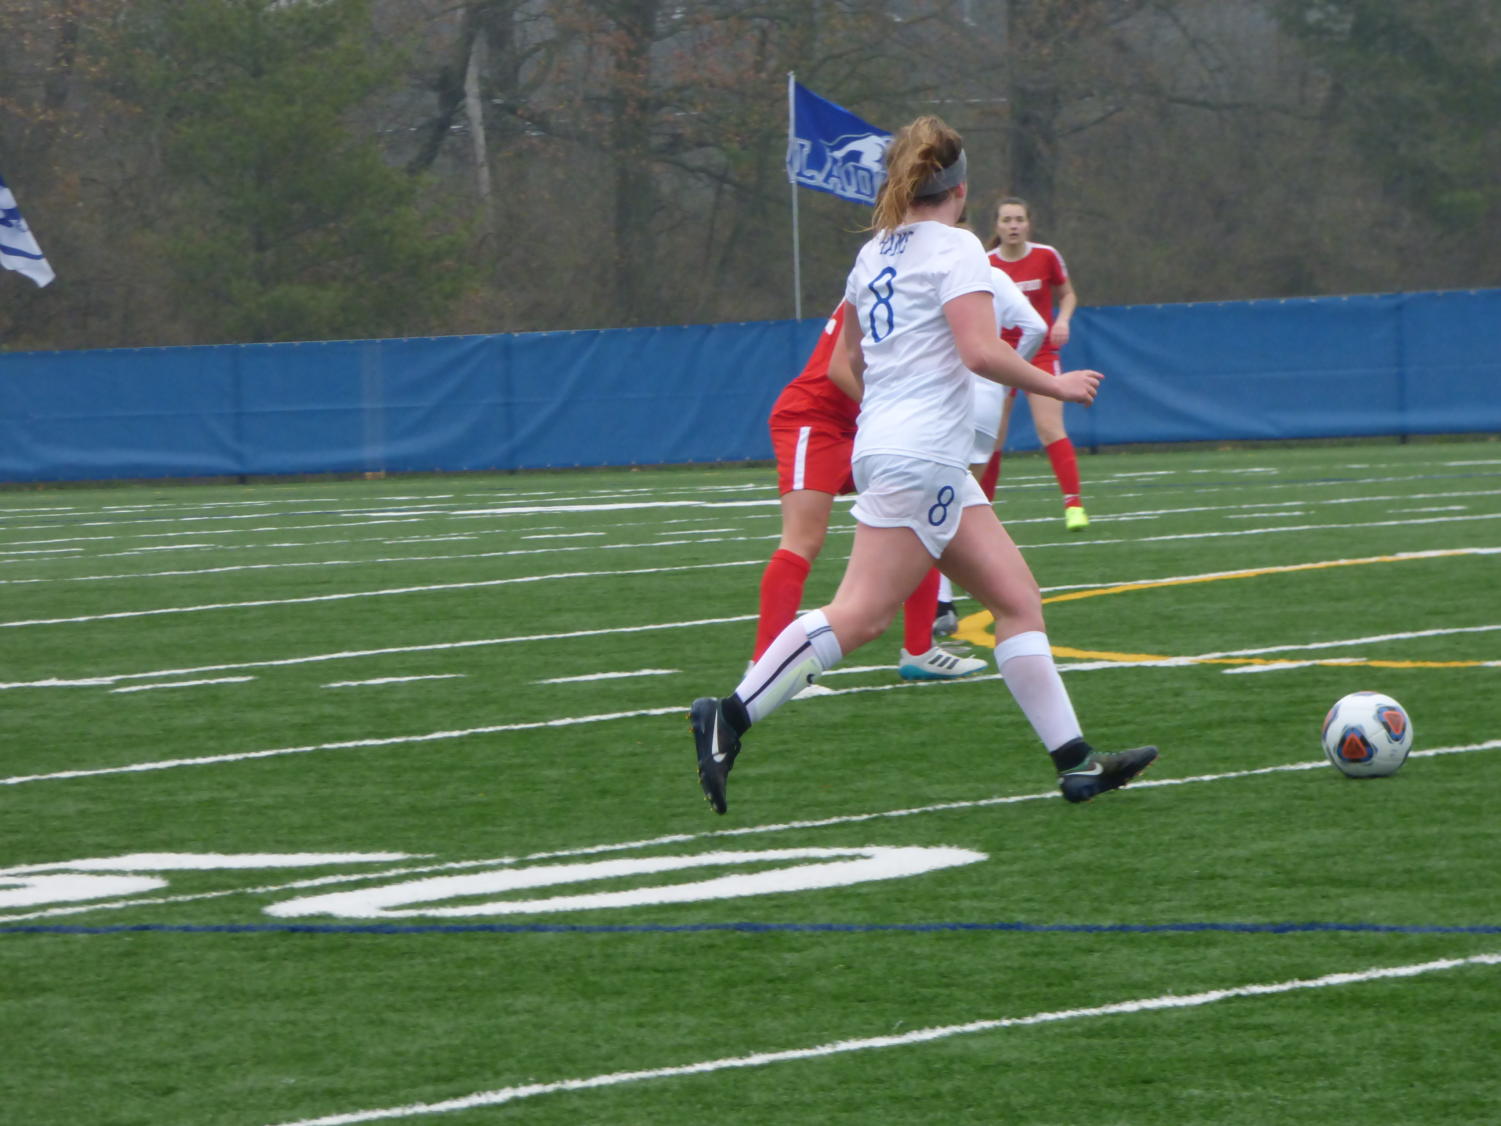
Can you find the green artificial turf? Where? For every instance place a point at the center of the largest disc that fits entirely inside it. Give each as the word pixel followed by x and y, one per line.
pixel 413 667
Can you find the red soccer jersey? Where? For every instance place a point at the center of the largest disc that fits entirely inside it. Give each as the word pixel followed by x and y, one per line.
pixel 812 398
pixel 1035 273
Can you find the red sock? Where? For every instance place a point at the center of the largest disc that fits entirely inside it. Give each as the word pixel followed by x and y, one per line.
pixel 1066 469
pixel 781 594
pixel 992 475
pixel 917 614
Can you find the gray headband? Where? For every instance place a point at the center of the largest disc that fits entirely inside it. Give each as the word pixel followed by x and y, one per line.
pixel 945 178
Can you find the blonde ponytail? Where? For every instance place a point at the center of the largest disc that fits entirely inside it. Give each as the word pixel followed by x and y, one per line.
pixel 920 150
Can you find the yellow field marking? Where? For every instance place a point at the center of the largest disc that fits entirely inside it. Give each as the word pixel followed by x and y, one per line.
pixel 1093 655
pixel 1149 658
pixel 976 628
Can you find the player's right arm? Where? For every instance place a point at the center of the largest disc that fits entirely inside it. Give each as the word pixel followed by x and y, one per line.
pixel 854 354
pixel 841 372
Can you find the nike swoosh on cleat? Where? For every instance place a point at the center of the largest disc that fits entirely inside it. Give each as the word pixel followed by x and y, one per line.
pixel 1094 768
pixel 714 750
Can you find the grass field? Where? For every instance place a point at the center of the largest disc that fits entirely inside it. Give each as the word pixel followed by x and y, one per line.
pixel 338 802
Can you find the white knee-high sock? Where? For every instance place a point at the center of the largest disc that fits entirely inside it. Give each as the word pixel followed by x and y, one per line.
pixel 945 588
pixel 1026 664
pixel 800 652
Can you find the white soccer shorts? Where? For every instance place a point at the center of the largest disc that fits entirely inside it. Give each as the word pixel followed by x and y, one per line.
pixel 900 492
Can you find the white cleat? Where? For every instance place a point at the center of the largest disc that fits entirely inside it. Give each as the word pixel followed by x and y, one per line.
pixel 937 664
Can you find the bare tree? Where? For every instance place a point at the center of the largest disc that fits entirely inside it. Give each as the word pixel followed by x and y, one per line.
pixel 620 162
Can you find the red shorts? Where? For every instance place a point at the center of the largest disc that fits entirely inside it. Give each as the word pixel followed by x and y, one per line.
pixel 811 458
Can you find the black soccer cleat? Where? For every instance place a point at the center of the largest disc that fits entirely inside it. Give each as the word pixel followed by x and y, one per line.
pixel 1103 771
pixel 717 746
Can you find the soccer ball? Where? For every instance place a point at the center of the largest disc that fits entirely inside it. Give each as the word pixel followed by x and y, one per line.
pixel 1367 735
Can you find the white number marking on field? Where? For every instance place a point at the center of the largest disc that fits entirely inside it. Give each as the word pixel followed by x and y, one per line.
pixel 29 885
pixel 840 867
pixel 1319 764
pixel 29 891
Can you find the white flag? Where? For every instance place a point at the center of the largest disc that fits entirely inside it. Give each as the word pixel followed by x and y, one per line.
pixel 18 249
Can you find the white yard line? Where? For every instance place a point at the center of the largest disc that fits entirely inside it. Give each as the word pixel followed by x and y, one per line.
pixel 667 498
pixel 231 568
pixel 436 587
pixel 431 588
pixel 1160 1003
pixel 841 670
pixel 1285 666
pixel 185 683
pixel 606 676
pixel 350 520
pixel 708 508
pixel 350 514
pixel 359 654
pixel 342 745
pixel 392 680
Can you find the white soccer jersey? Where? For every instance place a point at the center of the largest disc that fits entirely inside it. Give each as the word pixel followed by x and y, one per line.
pixel 917 400
pixel 1014 310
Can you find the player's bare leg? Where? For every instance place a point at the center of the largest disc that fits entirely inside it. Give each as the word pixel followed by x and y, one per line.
pixel 983 557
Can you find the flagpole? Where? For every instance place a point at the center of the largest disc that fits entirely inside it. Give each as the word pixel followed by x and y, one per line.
pixel 797 260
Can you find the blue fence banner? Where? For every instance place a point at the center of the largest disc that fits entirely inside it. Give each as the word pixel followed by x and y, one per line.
pixel 619 397
pixel 831 150
pixel 18 246
pixel 1312 367
pixel 1329 367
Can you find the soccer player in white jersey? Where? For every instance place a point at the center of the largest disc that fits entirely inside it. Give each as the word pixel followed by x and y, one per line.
pixel 1014 316
pixel 920 319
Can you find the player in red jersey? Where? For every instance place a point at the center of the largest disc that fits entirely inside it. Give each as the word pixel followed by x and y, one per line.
pixel 812 434
pixel 1040 273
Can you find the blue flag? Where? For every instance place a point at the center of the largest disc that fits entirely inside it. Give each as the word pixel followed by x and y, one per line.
pixel 831 150
pixel 18 249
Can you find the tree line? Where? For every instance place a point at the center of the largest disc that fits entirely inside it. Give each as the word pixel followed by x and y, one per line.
pixel 208 171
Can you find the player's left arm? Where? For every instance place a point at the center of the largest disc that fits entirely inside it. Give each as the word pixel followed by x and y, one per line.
pixel 1013 310
pixel 1066 301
